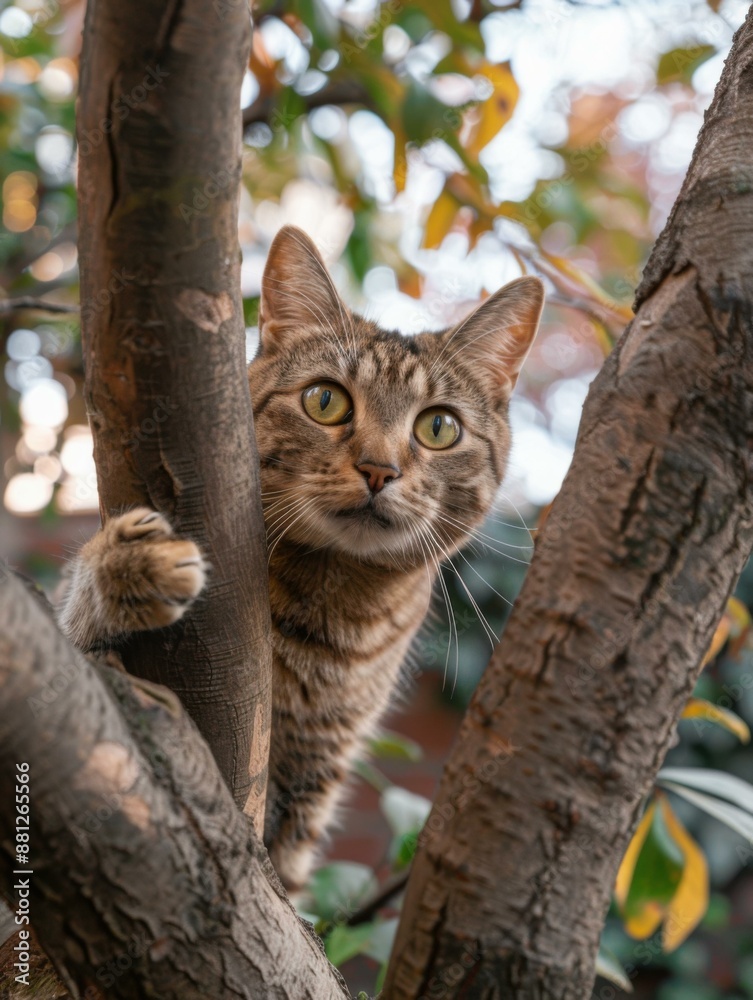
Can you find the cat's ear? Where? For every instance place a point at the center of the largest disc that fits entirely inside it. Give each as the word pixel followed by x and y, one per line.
pixel 496 338
pixel 296 290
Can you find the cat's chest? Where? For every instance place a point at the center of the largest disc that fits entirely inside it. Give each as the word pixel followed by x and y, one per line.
pixel 336 625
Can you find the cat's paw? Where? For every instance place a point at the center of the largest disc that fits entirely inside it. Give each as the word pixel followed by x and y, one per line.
pixel 145 577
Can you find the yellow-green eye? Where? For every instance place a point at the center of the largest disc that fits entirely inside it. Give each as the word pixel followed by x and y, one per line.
pixel 327 403
pixel 437 428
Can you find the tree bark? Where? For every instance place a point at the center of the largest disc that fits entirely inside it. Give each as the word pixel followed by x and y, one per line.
pixel 643 545
pixel 164 343
pixel 146 880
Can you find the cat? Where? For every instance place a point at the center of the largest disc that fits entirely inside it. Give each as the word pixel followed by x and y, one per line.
pixel 379 453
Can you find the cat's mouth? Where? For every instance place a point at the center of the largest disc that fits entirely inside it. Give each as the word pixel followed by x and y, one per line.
pixel 366 512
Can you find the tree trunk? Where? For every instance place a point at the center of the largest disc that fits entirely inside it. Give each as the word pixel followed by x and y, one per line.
pixel 643 545
pixel 146 880
pixel 159 132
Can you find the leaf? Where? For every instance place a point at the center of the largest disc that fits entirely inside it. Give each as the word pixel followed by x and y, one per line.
pixel 346 942
pixel 717 783
pixel 404 811
pixel 699 708
pixel 644 922
pixel 690 902
pixel 681 64
pixel 496 111
pixel 403 850
pixel 627 867
pixel 655 879
pixel 381 938
pixel 338 888
pixel 320 21
pixel 608 967
pixel 587 284
pixel 394 746
pixel 721 634
pixel 739 614
pixel 439 220
pixel 737 820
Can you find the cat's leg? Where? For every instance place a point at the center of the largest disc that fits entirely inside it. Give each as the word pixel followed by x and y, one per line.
pixel 308 772
pixel 134 574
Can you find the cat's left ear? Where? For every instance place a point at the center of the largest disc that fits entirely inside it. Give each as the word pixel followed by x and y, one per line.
pixel 297 292
pixel 497 337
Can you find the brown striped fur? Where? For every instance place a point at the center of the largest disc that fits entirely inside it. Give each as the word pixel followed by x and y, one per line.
pixel 351 573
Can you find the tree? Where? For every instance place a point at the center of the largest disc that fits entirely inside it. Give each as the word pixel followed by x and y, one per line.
pixel 631 574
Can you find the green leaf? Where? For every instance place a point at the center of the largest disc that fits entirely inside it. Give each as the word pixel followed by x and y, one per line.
pixel 251 311
pixel 737 820
pixel 403 850
pixel 424 117
pixel 609 967
pixel 394 746
pixel 338 888
pixel 681 64
pixel 404 811
pixel 346 942
pixel 381 939
pixel 414 23
pixel 717 783
pixel 358 249
pixel 658 869
pixel 320 21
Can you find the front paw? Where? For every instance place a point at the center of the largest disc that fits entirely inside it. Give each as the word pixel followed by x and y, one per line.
pixel 146 577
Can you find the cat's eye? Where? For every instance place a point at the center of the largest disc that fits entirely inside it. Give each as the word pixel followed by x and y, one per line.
pixel 437 428
pixel 327 403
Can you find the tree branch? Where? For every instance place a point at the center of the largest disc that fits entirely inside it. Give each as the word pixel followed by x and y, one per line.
pixel 146 879
pixel 264 108
pixel 573 717
pixel 10 306
pixel 164 343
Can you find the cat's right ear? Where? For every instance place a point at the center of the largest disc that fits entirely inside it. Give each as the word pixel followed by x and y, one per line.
pixel 297 291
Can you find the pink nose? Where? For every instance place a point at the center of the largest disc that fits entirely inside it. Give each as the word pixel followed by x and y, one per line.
pixel 378 476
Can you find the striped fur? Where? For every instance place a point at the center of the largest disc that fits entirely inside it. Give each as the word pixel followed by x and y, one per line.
pixel 351 573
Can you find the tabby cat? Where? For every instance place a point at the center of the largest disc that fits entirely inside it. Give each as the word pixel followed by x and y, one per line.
pixel 379 453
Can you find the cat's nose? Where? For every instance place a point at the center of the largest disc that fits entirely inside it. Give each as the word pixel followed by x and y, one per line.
pixel 378 476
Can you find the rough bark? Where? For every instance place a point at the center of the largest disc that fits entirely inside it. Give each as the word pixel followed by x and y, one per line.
pixel 164 342
pixel 643 545
pixel 147 879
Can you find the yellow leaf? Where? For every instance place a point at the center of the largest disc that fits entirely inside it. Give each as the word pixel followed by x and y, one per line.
pixel 720 637
pixel 699 708
pixel 441 217
pixel 643 924
pixel 690 902
pixel 739 614
pixel 497 109
pixel 587 284
pixel 625 874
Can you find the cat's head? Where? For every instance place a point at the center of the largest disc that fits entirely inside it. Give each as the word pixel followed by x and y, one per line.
pixel 384 446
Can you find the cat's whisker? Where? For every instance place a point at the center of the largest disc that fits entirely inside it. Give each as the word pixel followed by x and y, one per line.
pixel 484 580
pixel 509 500
pixel 490 516
pixel 490 634
pixel 485 541
pixel 306 509
pixel 274 520
pixel 422 528
pixel 275 524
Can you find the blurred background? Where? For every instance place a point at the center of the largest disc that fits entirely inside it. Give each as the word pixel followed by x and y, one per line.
pixel 434 151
